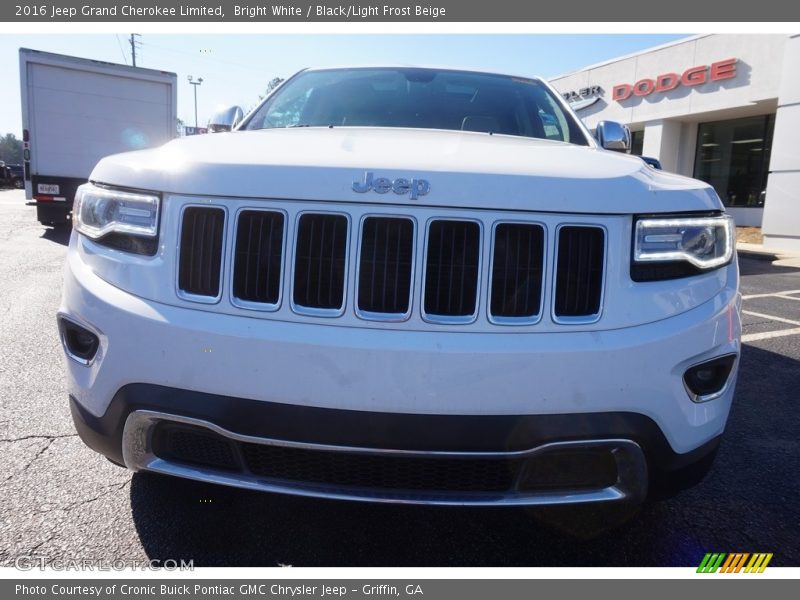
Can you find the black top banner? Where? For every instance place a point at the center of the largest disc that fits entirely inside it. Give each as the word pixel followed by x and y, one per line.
pixel 707 11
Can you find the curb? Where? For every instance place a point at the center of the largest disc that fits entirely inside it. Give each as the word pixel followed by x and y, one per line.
pixel 777 258
pixel 757 254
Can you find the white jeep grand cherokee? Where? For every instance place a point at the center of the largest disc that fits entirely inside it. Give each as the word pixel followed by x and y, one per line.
pixel 409 285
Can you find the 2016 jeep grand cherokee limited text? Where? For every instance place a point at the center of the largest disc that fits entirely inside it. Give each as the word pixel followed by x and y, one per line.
pixel 409 285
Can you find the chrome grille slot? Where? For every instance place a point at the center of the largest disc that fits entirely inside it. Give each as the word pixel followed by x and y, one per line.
pixel 517 266
pixel 258 256
pixel 451 270
pixel 579 271
pixel 200 265
pixel 319 264
pixel 384 271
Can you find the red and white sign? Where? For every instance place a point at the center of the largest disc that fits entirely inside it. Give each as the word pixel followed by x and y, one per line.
pixel 723 69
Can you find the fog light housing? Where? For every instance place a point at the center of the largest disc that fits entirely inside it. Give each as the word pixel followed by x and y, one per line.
pixel 709 379
pixel 80 344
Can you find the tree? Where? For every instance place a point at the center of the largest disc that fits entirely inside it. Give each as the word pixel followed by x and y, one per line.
pixel 10 149
pixel 273 83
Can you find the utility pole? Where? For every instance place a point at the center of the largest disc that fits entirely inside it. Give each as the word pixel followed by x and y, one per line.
pixel 134 44
pixel 195 84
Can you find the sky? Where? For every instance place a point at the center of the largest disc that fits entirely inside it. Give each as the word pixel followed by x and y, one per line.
pixel 237 67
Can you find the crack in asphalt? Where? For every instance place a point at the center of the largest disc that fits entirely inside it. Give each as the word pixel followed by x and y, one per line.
pixel 51 438
pixel 49 442
pixel 5 558
pixel 41 451
pixel 109 489
pixel 40 544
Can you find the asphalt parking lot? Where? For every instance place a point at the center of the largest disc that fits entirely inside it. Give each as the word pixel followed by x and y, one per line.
pixel 59 500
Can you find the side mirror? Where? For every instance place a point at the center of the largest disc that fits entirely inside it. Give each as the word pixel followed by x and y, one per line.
pixel 613 136
pixel 225 119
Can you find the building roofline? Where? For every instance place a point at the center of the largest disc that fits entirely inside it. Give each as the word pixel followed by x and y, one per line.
pixel 685 40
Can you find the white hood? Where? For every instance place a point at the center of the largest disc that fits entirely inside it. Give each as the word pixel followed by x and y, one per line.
pixel 464 169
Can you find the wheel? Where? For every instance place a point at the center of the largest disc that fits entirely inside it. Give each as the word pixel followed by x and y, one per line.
pixel 19 184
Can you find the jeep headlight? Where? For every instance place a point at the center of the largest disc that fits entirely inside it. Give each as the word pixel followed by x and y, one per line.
pixel 120 219
pixel 666 248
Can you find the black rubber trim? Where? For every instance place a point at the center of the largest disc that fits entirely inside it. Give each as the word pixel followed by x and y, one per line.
pixel 53 213
pixel 664 271
pixel 486 433
pixel 134 244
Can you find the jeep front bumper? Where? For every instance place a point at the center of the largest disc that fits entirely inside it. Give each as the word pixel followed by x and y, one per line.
pixel 276 405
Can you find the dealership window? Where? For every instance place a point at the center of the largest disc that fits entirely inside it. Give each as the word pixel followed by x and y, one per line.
pixel 733 156
pixel 637 142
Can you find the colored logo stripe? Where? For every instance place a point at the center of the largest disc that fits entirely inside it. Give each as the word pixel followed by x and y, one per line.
pixel 734 562
pixel 711 563
pixel 758 563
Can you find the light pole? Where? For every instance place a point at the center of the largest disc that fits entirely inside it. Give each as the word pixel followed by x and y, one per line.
pixel 195 84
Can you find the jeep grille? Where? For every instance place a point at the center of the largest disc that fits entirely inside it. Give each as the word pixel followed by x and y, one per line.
pixel 388 278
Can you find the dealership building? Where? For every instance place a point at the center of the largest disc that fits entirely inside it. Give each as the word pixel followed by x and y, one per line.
pixel 721 108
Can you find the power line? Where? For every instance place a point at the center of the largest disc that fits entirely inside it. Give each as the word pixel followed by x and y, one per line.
pixel 134 44
pixel 207 58
pixel 119 43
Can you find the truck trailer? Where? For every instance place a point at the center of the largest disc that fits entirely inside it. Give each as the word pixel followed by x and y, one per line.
pixel 76 111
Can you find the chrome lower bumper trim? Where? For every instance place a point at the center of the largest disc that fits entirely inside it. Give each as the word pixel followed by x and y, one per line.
pixel 631 484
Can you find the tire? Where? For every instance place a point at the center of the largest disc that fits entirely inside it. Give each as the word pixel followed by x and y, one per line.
pixel 667 484
pixel 19 184
pixel 585 522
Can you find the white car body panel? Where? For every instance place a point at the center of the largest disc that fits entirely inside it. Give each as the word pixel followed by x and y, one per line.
pixel 465 170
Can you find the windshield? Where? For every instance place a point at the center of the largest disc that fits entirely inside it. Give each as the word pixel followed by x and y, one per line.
pixel 418 98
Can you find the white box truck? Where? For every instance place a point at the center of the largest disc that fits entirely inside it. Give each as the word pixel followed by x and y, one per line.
pixel 76 111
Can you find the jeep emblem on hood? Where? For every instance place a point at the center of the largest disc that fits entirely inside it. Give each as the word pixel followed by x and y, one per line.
pixel 400 186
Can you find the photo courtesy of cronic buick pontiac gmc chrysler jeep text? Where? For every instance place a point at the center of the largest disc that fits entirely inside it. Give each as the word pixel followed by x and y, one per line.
pixel 403 285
